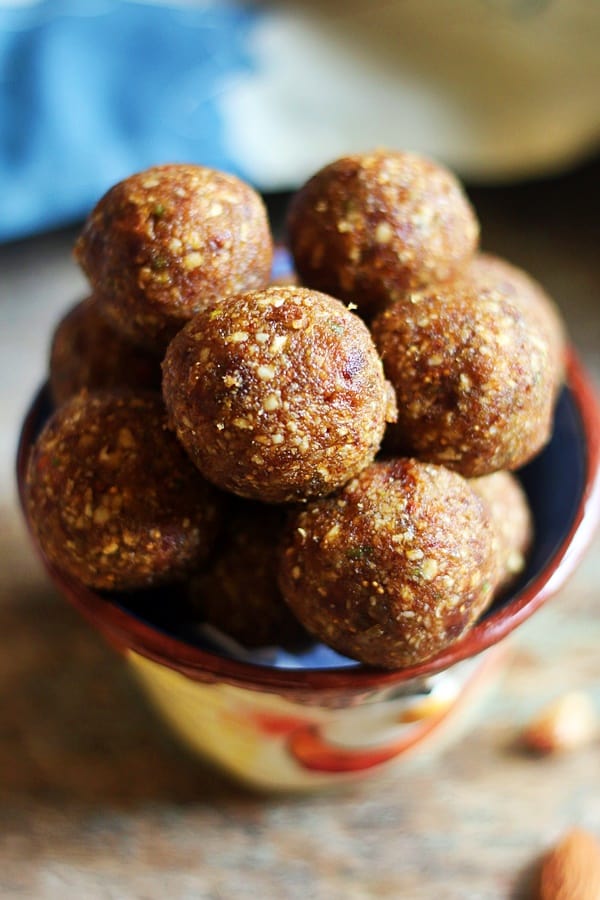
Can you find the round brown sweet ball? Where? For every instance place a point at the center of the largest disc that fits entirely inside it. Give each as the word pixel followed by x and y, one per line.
pixel 277 395
pixel 508 508
pixel 113 499
pixel 167 242
pixel 494 277
pixel 394 567
pixel 473 377
pixel 87 352
pixel 238 591
pixel 371 227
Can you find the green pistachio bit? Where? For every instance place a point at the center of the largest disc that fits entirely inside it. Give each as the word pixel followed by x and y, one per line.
pixel 359 552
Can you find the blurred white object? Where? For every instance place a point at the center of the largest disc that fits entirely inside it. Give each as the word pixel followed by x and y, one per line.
pixel 497 89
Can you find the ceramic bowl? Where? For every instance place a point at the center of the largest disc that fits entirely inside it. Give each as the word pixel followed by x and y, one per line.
pixel 303 728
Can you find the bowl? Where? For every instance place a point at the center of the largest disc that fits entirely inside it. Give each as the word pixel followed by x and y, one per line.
pixel 281 727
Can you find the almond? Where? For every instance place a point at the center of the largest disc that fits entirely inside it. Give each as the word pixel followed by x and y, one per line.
pixel 571 870
pixel 568 723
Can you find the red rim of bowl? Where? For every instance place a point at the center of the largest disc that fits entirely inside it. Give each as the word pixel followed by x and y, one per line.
pixel 130 633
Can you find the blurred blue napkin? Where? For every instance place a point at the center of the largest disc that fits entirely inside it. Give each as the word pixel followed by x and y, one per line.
pixel 92 90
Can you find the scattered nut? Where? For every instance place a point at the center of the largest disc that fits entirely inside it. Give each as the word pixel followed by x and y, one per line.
pixel 571 870
pixel 568 723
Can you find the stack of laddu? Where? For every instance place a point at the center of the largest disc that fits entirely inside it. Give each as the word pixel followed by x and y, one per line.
pixel 331 455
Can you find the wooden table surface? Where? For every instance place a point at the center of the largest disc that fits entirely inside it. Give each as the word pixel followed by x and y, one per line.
pixel 97 800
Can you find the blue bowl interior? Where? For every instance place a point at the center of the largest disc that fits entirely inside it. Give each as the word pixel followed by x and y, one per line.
pixel 554 483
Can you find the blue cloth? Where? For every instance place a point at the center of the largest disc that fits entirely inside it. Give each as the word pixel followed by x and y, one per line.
pixel 93 90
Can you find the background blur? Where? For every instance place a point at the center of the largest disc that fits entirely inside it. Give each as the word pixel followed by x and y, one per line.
pixel 92 90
